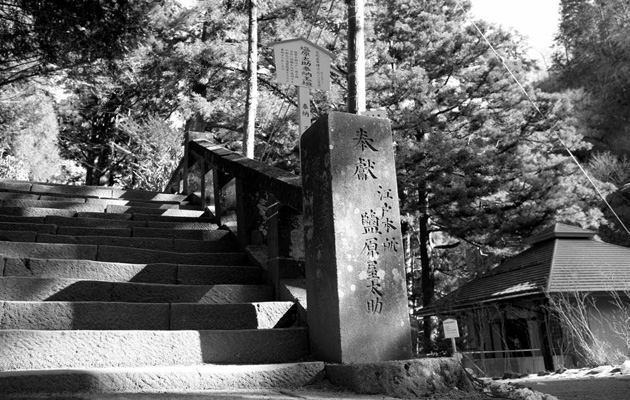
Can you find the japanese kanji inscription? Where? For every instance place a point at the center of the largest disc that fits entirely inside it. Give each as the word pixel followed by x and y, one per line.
pixel 356 289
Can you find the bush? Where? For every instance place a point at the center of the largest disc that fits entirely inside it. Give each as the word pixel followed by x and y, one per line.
pixel 13 168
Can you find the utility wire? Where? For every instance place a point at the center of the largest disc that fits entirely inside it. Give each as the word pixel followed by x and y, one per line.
pixel 533 103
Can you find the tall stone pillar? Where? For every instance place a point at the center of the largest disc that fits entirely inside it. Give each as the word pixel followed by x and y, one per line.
pixel 355 272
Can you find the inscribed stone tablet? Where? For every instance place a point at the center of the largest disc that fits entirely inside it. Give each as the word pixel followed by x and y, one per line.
pixel 356 287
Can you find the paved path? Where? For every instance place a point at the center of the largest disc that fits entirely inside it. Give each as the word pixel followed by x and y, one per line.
pixel 612 388
pixel 215 395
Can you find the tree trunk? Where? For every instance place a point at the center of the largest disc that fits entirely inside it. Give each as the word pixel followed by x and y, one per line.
pixel 356 57
pixel 103 167
pixel 89 175
pixel 251 104
pixel 428 275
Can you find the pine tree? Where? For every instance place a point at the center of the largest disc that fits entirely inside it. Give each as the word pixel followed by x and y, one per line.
pixel 477 163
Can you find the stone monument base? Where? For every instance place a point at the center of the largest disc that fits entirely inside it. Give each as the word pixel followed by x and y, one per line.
pixel 416 378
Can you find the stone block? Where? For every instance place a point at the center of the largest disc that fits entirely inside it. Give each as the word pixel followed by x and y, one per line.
pixel 105 215
pixel 146 196
pixel 15 186
pixel 63 205
pixel 419 378
pixel 184 234
pixel 92 231
pixel 144 256
pixel 26 220
pixel 355 272
pixel 48 250
pixel 36 212
pixel 187 379
pixel 51 315
pixel 85 221
pixel 18 236
pixel 217 275
pixel 24 350
pixel 22 226
pixel 42 289
pixel 84 191
pixel 178 225
pixel 21 196
pixel 95 270
pixel 201 246
pixel 134 242
pixel 62 198
pixel 201 294
pixel 169 217
pixel 266 315
pixel 114 209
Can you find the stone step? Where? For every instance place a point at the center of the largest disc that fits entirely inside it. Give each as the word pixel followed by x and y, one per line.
pixel 169 212
pixel 84 204
pixel 140 273
pixel 89 191
pixel 99 227
pixel 155 217
pixel 151 243
pixel 28 227
pixel 111 223
pixel 19 195
pixel 144 256
pixel 191 378
pixel 57 289
pixel 37 212
pixel 38 349
pixel 52 315
pixel 117 212
pixel 115 254
pixel 122 238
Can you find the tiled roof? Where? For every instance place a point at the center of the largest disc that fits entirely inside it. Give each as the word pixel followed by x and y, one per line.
pixel 526 272
pixel 572 261
pixel 559 230
pixel 587 265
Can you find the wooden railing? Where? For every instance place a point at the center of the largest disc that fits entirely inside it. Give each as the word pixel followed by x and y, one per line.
pixel 261 204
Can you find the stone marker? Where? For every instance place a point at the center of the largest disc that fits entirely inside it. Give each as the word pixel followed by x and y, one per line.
pixel 356 289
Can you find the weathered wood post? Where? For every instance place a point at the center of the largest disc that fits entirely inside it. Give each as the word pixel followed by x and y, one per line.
pixel 356 286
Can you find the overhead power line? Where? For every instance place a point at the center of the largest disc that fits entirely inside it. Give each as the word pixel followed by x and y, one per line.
pixel 537 109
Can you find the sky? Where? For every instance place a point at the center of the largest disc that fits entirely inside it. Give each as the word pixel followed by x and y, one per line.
pixel 536 19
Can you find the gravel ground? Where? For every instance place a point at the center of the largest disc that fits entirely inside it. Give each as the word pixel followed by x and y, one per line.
pixel 608 388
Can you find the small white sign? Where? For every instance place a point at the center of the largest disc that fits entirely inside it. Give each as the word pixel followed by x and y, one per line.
pixel 451 330
pixel 375 113
pixel 302 63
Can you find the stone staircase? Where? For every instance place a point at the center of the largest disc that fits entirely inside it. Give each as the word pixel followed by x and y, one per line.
pixel 111 290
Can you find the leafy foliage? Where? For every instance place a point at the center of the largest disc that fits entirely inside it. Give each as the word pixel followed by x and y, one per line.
pixel 591 66
pixel 479 167
pixel 153 152
pixel 13 168
pixel 477 163
pixel 594 54
pixel 28 127
pixel 40 37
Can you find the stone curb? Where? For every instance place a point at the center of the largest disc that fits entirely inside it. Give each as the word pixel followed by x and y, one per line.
pixel 162 379
pixel 123 272
pixel 416 378
pixel 93 315
pixel 25 350
pixel 89 191
pixel 46 289
pixel 117 254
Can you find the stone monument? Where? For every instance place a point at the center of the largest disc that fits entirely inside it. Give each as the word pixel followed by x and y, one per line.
pixel 355 272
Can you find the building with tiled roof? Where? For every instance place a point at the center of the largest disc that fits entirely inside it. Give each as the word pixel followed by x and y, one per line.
pixel 505 313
